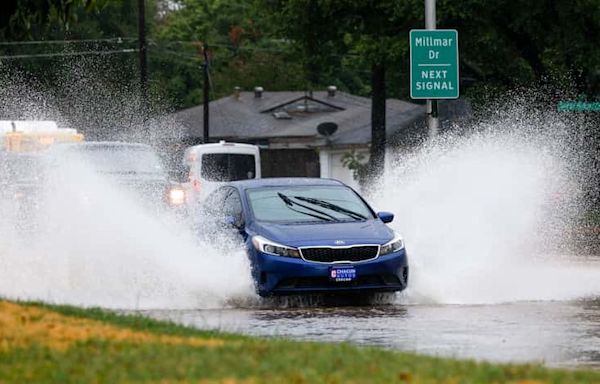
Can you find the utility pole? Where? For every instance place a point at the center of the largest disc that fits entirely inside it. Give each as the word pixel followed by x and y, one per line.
pixel 143 55
pixel 205 91
pixel 433 122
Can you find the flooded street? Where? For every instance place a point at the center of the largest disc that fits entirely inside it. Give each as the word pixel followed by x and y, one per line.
pixel 487 219
pixel 420 177
pixel 557 334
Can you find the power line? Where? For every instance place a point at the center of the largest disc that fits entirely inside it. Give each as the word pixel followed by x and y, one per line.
pixel 179 53
pixel 187 59
pixel 243 48
pixel 120 40
pixel 63 54
pixel 218 45
pixel 117 40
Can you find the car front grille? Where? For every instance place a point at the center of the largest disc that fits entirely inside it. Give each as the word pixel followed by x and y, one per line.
pixel 317 282
pixel 331 255
pixel 151 191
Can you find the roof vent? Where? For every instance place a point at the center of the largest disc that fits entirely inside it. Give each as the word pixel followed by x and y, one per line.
pixel 258 91
pixel 282 115
pixel 331 90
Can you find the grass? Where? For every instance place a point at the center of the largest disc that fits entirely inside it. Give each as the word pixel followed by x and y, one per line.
pixel 59 344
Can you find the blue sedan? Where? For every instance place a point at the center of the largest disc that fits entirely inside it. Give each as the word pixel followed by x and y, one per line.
pixel 308 235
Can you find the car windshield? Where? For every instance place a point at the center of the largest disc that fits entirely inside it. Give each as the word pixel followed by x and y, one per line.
pixel 121 159
pixel 20 169
pixel 228 167
pixel 318 203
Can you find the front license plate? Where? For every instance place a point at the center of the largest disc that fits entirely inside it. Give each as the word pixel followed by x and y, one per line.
pixel 340 274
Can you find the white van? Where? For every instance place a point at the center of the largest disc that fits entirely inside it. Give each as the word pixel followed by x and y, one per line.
pixel 210 165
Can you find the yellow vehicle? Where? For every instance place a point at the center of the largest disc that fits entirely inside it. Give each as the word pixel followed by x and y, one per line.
pixel 31 136
pixel 22 168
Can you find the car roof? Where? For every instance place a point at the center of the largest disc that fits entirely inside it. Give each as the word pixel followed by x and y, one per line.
pixel 7 156
pixel 284 181
pixel 221 144
pixel 101 144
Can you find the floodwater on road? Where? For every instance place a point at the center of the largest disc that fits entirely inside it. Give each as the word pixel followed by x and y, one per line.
pixel 481 213
pixel 558 334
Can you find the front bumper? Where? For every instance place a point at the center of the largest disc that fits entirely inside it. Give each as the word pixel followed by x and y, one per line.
pixel 277 275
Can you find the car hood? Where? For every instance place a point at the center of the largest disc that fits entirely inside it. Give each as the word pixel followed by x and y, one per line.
pixel 150 189
pixel 132 176
pixel 330 234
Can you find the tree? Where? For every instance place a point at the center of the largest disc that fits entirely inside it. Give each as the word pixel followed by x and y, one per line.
pixel 241 54
pixel 511 43
pixel 325 30
pixel 48 22
pixel 32 18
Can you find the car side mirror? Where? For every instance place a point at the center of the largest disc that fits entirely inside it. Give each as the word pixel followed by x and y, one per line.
pixel 386 217
pixel 233 222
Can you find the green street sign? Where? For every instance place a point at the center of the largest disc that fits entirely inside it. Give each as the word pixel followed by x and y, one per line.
pixel 434 64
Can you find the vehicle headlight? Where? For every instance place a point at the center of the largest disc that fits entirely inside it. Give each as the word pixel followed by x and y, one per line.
pixel 176 196
pixel 267 246
pixel 393 246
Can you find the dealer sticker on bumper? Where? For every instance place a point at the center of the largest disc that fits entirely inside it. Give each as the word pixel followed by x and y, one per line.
pixel 342 274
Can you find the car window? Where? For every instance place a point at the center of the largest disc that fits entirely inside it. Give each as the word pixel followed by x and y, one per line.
pixel 233 205
pixel 22 168
pixel 228 167
pixel 214 202
pixel 307 204
pixel 118 159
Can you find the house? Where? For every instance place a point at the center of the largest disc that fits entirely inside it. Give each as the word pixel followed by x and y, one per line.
pixel 285 126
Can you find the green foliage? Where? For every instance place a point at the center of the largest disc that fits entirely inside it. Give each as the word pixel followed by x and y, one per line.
pixel 502 43
pixel 23 19
pixel 240 54
pixel 56 54
pixel 514 43
pixel 116 18
pixel 357 163
pixel 215 21
pixel 300 44
pixel 315 29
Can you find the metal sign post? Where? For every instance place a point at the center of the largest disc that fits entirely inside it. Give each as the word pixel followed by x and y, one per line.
pixel 433 65
pixel 205 94
pixel 143 57
pixel 433 121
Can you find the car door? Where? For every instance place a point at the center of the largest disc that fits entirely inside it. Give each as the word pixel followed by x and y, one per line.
pixel 211 216
pixel 232 208
pixel 227 219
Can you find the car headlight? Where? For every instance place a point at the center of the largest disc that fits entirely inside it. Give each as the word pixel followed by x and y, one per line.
pixel 176 196
pixel 267 246
pixel 393 246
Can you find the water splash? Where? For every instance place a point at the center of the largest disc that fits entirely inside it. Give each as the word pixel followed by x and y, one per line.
pixel 482 214
pixel 485 213
pixel 94 244
pixel 91 243
pixel 97 245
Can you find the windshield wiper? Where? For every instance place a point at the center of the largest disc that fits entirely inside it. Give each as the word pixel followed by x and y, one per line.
pixel 317 213
pixel 333 207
